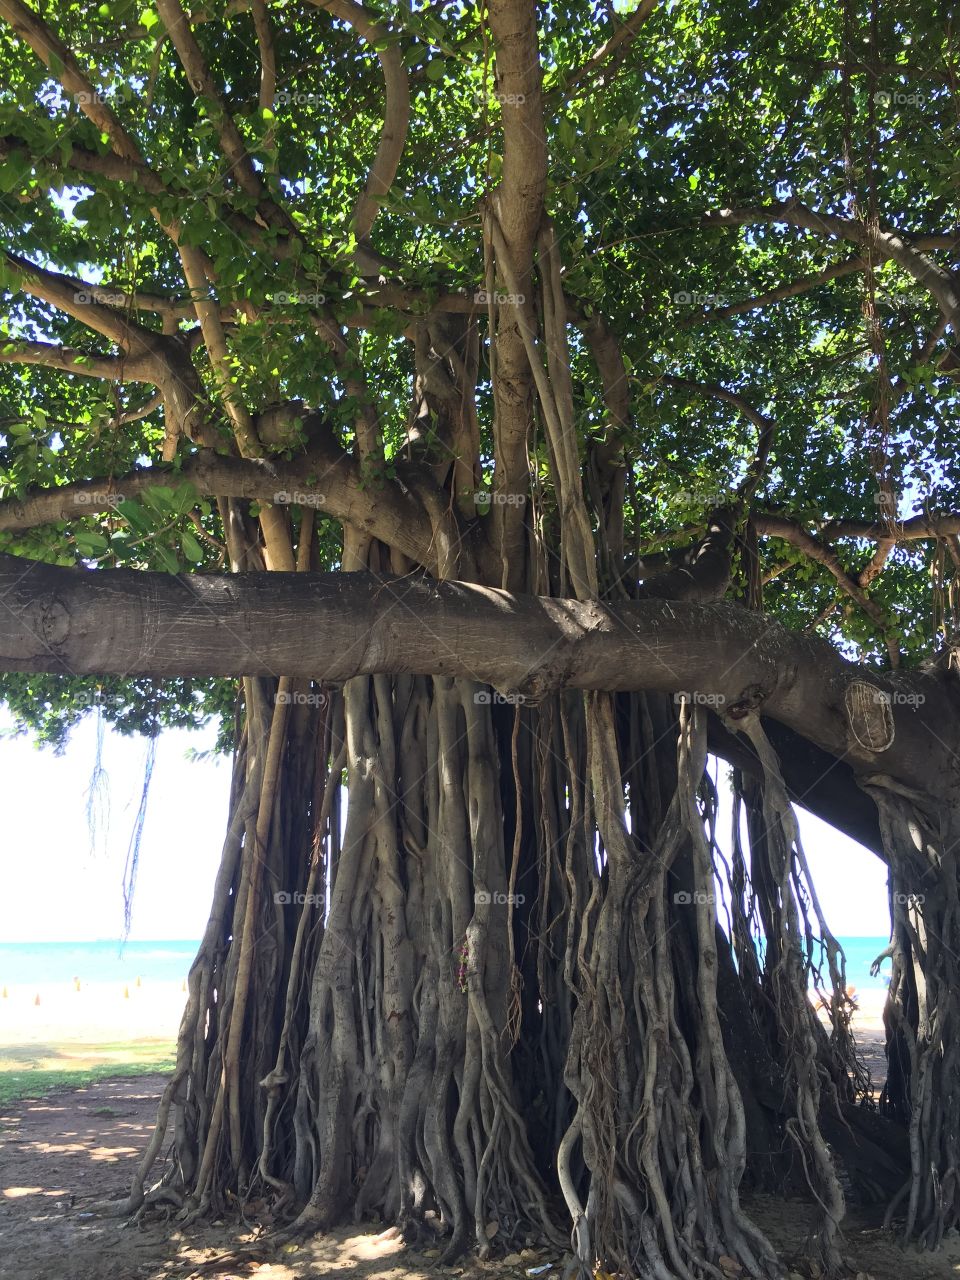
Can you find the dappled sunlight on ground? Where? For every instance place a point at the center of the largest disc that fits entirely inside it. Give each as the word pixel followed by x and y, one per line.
pixel 61 1155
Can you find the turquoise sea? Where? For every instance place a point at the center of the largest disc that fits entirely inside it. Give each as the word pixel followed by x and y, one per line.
pixel 36 963
pixel 861 953
pixel 166 961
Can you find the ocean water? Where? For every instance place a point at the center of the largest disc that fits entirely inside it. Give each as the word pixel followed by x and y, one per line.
pixel 860 954
pixel 36 963
pixel 44 962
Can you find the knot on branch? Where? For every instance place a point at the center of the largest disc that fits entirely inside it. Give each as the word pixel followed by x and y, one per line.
pixel 749 702
pixel 49 621
pixel 869 715
pixel 540 684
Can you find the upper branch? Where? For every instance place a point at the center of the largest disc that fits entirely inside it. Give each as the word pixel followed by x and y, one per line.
pixel 888 244
pixel 53 53
pixel 396 119
pixel 616 48
pixel 766 427
pixel 519 198
pixel 202 83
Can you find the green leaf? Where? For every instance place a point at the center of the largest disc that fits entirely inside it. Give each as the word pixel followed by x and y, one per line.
pixel 161 498
pixel 167 558
pixel 185 497
pixel 149 19
pixel 191 547
pixel 90 543
pixel 138 519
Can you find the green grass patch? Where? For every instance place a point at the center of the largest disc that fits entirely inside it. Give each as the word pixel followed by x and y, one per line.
pixel 20 1079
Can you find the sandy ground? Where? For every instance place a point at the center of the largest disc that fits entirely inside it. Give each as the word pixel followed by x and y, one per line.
pixel 68 1151
pixel 62 1155
pixel 869 1012
pixel 99 1013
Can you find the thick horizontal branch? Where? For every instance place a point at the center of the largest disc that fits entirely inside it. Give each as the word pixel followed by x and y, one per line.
pixel 106 165
pixel 335 626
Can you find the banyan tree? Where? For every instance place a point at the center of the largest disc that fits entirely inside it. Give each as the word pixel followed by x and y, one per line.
pixel 491 413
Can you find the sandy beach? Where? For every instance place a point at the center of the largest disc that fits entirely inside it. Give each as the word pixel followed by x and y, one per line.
pixel 56 1025
pixel 103 1013
pixel 868 1016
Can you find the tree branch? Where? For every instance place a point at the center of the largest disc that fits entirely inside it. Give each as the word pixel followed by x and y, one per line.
pixel 202 83
pixel 518 202
pixel 619 44
pixel 335 626
pixel 818 550
pixel 52 52
pixel 326 478
pixel 77 299
pixel 396 119
pixel 888 244
pixel 849 266
pixel 72 360
pixel 766 427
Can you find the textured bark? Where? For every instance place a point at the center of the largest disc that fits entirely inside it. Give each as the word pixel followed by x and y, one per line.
pixel 334 626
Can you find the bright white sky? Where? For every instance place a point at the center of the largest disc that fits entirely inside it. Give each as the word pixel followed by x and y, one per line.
pixel 53 888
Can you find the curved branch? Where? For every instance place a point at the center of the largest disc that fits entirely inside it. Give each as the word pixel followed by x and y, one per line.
pixel 71 360
pixel 77 299
pixel 888 244
pixel 849 267
pixel 327 479
pixel 818 550
pixel 396 118
pixel 766 427
pixel 114 168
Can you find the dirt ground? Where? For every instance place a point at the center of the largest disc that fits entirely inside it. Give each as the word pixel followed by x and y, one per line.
pixel 63 1153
